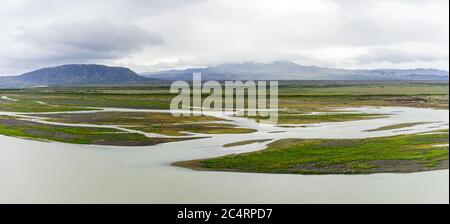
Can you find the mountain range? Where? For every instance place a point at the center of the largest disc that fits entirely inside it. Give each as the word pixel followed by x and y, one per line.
pixel 284 70
pixel 91 74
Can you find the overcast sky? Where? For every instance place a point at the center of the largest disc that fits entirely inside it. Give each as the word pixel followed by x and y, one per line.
pixel 149 35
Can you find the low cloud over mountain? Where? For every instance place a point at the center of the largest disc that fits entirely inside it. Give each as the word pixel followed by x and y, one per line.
pixel 284 70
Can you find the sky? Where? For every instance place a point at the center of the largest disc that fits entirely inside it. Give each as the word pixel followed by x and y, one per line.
pixel 153 35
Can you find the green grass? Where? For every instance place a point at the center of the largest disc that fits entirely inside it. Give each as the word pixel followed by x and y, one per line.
pixel 407 153
pixel 245 143
pixel 398 126
pixel 33 106
pixel 161 123
pixel 367 89
pixel 203 128
pixel 77 135
pixel 81 99
pixel 292 118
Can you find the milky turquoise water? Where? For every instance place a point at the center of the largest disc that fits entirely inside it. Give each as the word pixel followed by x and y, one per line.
pixel 47 172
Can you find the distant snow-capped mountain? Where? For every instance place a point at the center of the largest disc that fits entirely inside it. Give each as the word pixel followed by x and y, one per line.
pixel 284 70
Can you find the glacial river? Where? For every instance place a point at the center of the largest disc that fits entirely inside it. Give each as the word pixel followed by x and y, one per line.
pixel 48 172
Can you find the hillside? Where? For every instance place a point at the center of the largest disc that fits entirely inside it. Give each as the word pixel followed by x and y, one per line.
pixel 79 74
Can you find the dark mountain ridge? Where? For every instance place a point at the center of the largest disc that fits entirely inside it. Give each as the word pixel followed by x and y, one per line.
pixel 76 74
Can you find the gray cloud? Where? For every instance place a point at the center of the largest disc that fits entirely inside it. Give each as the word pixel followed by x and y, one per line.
pixel 387 22
pixel 394 56
pixel 108 9
pixel 333 33
pixel 95 40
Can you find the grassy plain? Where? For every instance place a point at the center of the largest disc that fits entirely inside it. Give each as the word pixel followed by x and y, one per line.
pixel 406 153
pixel 294 97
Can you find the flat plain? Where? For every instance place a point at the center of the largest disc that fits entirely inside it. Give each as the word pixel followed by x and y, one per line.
pixel 73 115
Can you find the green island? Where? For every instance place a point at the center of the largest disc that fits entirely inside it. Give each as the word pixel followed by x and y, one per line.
pixel 404 153
pixel 398 126
pixel 293 118
pixel 245 142
pixel 77 135
pixel 151 122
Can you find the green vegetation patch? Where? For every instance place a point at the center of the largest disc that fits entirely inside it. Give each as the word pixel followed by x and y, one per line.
pixel 77 135
pixel 35 106
pixel 398 126
pixel 406 153
pixel 82 98
pixel 180 129
pixel 289 118
pixel 161 123
pixel 366 89
pixel 245 142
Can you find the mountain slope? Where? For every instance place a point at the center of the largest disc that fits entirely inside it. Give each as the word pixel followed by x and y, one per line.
pixel 79 75
pixel 76 75
pixel 283 70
